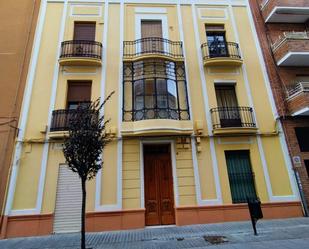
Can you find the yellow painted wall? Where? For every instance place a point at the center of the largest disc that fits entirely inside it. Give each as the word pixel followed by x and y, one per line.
pixel 185 176
pixel 30 162
pixel 131 174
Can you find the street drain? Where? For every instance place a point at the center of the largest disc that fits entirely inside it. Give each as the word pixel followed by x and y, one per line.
pixel 215 239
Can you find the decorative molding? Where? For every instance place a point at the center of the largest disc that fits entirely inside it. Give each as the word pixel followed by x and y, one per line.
pixel 146 10
pixel 233 71
pixel 73 6
pixel 249 141
pixel 223 18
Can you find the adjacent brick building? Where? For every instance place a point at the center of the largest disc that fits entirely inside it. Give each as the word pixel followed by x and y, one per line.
pixel 18 22
pixel 283 28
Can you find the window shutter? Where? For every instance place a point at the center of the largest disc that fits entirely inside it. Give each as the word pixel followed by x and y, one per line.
pixel 84 31
pixel 79 91
pixel 151 29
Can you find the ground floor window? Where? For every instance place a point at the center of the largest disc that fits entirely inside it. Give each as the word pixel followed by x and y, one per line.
pixel 240 174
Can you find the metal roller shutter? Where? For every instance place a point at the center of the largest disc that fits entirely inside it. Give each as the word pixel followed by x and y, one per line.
pixel 68 202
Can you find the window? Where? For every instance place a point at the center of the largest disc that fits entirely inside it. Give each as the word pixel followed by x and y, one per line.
pixel 84 31
pixel 216 41
pixel 240 174
pixel 151 28
pixel 155 89
pixel 307 166
pixel 227 106
pixel 151 32
pixel 302 134
pixel 78 92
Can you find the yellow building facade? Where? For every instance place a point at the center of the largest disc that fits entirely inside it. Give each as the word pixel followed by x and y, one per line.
pixel 193 121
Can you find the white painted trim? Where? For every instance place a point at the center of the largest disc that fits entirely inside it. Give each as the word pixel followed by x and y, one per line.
pixel 150 10
pixel 44 161
pixel 138 26
pixel 244 69
pixel 159 129
pixel 173 158
pixel 196 172
pixel 281 61
pixel 207 113
pixel 200 2
pixel 222 81
pixel 142 178
pixel 201 68
pixel 216 173
pixel 140 17
pixel 299 112
pixel 23 212
pixel 265 168
pixel 288 163
pixel 25 106
pixel 262 63
pixel 120 104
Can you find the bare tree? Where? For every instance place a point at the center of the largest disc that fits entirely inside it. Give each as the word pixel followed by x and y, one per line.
pixel 84 146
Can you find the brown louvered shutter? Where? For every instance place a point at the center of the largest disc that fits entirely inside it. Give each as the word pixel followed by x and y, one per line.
pixel 151 29
pixel 78 92
pixel 84 31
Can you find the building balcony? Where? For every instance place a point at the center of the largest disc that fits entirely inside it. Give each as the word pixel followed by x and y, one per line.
pixel 152 48
pixel 81 53
pixel 60 123
pixel 233 120
pixel 292 49
pixel 156 121
pixel 285 11
pixel 221 54
pixel 298 99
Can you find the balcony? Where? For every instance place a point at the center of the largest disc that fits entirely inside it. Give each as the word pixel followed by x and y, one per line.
pixel 155 100
pixel 152 48
pixel 80 53
pixel 298 99
pixel 233 120
pixel 292 49
pixel 60 123
pixel 285 11
pixel 221 54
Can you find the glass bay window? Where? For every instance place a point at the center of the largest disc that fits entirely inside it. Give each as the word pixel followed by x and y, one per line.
pixel 154 89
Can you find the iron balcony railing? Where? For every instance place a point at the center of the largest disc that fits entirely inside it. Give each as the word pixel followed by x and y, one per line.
pixel 220 49
pixel 225 117
pixel 298 88
pixel 152 45
pixel 242 186
pixel 78 48
pixel 61 119
pixel 156 113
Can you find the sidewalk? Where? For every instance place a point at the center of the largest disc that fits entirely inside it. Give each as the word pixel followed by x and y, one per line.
pixel 283 234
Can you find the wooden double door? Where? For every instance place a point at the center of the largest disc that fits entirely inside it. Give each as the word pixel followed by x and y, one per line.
pixel 158 177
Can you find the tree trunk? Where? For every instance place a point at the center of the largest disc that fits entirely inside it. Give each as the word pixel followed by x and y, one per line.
pixel 83 239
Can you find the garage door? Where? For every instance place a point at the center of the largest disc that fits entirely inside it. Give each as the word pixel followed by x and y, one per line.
pixel 68 201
